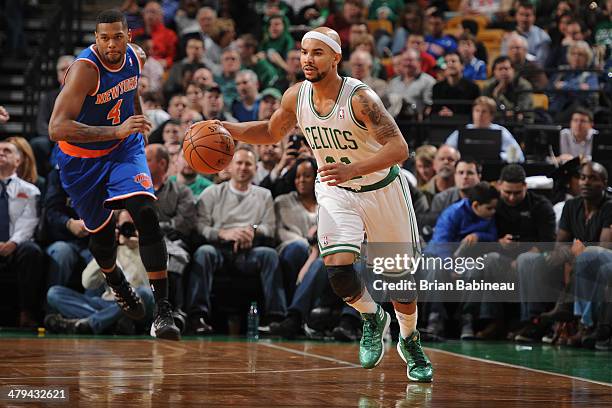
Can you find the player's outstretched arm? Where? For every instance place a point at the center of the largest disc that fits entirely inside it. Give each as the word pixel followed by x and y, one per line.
pixel 370 111
pixel 82 80
pixel 272 131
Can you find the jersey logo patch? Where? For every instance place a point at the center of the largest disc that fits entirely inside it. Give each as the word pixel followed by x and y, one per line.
pixel 341 113
pixel 144 180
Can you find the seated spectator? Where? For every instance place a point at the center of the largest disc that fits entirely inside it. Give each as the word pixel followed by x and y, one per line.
pixel 467 222
pixel 411 21
pixel 207 26
pixel 361 69
pixel 467 175
pixel 573 32
pixel 194 50
pixel 594 205
pixel 213 105
pixel 277 42
pixel 444 163
pixel 230 65
pixel 410 93
pixel 469 26
pixel 538 41
pixel 269 156
pixel 423 163
pixel 366 43
pixel 577 141
pixel 526 227
pixel 177 220
pixel 251 60
pixel 385 10
pixel 164 39
pixel 194 95
pixel 269 102
pixel 246 106
pixel 27 169
pixel 203 77
pixel 185 18
pixel 509 91
pixel 603 29
pixel 97 311
pixel 188 177
pixel 523 66
pixel 296 222
pixel 69 252
pixel 490 9
pixel 453 87
pixel 236 218
pixel 19 256
pixel 574 77
pixel 176 107
pixel 475 69
pixel 416 41
pixel 438 43
pixel 483 111
pixel 293 73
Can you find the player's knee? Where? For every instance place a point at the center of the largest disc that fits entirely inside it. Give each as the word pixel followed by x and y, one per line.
pixel 345 282
pixel 144 213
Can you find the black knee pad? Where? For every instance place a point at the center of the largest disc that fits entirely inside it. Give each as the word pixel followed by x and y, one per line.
pixel 103 245
pixel 143 211
pixel 345 282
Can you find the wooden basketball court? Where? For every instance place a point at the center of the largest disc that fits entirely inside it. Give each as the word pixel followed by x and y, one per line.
pixel 220 372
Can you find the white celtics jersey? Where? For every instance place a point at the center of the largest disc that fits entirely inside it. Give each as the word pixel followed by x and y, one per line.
pixel 338 137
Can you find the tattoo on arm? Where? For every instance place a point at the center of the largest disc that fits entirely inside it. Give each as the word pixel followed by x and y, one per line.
pixel 384 127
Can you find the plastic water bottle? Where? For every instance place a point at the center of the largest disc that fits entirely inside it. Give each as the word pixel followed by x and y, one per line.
pixel 253 322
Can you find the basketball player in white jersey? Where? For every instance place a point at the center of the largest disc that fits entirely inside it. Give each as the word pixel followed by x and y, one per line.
pixel 358 148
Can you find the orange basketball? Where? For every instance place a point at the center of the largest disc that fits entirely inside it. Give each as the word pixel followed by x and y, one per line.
pixel 208 147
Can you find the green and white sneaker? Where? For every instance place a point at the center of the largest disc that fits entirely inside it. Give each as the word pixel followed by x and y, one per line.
pixel 419 367
pixel 372 346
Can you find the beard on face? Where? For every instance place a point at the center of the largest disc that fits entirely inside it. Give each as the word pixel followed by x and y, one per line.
pixel 446 172
pixel 319 77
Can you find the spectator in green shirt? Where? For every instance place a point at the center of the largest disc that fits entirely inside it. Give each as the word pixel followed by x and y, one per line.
pixel 190 178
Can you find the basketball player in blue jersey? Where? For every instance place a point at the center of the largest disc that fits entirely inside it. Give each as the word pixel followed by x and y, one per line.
pixel 98 124
pixel 359 187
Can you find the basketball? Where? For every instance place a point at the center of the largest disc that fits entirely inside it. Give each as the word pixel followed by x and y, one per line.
pixel 208 147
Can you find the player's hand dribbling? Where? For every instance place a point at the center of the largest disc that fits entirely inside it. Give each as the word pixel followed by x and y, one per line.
pixel 336 173
pixel 133 124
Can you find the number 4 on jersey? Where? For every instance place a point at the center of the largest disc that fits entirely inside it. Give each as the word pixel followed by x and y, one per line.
pixel 115 113
pixel 343 159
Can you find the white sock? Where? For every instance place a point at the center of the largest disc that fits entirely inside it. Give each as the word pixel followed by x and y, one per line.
pixel 407 323
pixel 365 304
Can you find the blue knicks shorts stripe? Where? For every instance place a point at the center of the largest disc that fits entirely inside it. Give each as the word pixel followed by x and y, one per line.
pixel 96 186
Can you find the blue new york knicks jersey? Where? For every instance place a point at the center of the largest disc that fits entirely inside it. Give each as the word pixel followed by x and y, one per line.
pixel 113 100
pixel 100 176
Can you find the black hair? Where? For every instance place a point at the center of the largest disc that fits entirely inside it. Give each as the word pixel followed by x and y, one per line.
pixel 527 4
pixel 583 111
pixel 111 16
pixel 470 25
pixel 471 160
pixel 482 193
pixel 499 60
pixel 453 53
pixel 292 172
pixel 513 173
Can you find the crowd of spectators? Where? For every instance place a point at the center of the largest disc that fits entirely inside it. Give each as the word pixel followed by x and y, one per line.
pixel 256 220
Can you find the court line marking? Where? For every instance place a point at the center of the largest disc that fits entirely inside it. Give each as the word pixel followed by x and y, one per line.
pixel 307 354
pixel 85 378
pixel 482 360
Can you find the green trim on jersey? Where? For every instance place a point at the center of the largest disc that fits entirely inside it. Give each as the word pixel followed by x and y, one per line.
pixel 339 250
pixel 350 105
pixel 416 242
pixel 299 99
pixel 331 112
pixel 393 173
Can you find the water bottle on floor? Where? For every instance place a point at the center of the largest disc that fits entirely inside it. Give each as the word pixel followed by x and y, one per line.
pixel 253 322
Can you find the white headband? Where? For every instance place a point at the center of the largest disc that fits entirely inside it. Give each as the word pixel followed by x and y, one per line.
pixel 315 35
